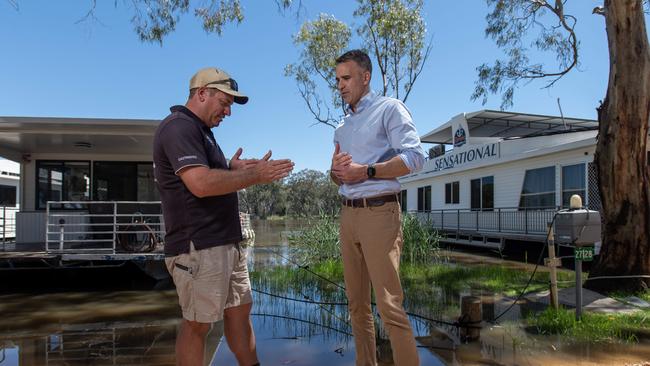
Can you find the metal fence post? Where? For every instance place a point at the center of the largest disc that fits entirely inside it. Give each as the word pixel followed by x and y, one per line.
pixel 499 219
pixel 526 218
pixel 4 226
pixel 47 226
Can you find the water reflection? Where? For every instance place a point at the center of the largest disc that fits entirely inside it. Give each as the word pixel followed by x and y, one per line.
pixel 43 326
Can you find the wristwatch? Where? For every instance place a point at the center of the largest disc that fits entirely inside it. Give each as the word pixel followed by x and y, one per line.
pixel 371 171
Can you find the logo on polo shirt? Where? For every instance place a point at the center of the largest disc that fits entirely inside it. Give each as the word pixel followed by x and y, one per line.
pixel 187 157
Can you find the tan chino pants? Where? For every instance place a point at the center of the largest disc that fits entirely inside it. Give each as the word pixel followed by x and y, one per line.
pixel 371 244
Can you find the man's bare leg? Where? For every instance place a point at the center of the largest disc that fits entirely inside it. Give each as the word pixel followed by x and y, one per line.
pixel 238 330
pixel 190 343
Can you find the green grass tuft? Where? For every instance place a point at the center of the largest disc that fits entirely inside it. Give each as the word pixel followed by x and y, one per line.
pixel 593 327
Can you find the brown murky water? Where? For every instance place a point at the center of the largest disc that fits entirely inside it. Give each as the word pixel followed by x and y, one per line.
pixel 114 326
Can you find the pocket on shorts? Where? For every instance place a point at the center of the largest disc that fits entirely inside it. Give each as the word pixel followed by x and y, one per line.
pixel 183 278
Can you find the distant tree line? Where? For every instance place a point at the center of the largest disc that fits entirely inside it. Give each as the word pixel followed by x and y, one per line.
pixel 303 194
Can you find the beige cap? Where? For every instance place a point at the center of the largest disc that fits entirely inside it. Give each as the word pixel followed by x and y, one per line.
pixel 211 77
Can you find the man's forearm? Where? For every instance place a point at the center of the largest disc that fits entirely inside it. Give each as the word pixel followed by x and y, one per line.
pixel 390 169
pixel 205 182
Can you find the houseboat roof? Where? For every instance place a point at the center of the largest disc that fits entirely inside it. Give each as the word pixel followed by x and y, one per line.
pixel 502 124
pixel 28 135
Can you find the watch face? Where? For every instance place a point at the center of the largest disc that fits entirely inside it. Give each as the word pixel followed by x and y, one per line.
pixel 371 171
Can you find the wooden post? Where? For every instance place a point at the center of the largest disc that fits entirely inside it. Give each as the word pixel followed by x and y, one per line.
pixel 552 263
pixel 470 318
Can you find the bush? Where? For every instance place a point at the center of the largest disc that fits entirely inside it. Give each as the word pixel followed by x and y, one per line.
pixel 421 240
pixel 318 242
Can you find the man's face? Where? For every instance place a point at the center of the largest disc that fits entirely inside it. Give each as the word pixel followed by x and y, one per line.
pixel 218 106
pixel 352 82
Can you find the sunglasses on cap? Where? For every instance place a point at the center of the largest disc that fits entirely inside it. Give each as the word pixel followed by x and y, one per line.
pixel 230 82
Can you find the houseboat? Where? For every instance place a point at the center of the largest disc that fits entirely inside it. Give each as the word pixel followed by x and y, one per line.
pixel 504 176
pixel 87 194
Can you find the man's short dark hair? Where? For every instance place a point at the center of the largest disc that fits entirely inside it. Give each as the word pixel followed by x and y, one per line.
pixel 358 56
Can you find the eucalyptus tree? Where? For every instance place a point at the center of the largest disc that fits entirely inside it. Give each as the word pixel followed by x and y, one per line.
pixel 311 193
pixel 392 32
pixel 264 200
pixel 154 19
pixel 622 151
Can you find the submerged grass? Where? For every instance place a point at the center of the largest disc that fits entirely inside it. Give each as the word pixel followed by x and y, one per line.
pixel 491 278
pixel 593 327
pixel 320 241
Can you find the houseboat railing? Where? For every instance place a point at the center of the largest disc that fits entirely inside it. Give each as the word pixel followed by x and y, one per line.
pixel 8 223
pixel 103 227
pixel 511 220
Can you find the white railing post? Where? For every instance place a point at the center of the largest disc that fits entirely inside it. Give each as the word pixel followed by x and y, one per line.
pixel 114 225
pixel 61 233
pixel 4 224
pixel 47 226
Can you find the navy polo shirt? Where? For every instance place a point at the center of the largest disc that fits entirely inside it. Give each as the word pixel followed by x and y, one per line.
pixel 183 140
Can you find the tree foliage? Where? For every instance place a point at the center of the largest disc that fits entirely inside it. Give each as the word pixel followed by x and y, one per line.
pixel 394 31
pixel 307 193
pixel 323 40
pixel 391 31
pixel 521 27
pixel 153 20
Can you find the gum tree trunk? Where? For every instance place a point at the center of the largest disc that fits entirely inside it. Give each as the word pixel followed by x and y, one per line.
pixel 621 153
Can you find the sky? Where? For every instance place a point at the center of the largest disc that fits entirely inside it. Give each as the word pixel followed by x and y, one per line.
pixel 51 65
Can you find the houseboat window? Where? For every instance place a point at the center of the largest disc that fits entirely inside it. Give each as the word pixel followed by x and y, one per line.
pixel 487 193
pixel 573 182
pixel 539 188
pixel 482 193
pixel 424 198
pixel 7 196
pixel 147 190
pixel 123 181
pixel 62 181
pixel 452 193
pixel 402 200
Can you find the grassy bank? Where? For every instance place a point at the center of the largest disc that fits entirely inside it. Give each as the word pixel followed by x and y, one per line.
pixel 593 327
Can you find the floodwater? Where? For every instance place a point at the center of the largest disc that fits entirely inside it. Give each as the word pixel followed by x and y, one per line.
pixel 81 318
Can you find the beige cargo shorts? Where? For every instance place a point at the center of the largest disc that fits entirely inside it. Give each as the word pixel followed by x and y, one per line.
pixel 210 280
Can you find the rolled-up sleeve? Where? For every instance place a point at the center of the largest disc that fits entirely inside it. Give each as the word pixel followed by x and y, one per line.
pixel 403 136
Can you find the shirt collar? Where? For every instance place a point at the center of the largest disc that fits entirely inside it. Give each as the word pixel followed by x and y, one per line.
pixel 364 102
pixel 186 111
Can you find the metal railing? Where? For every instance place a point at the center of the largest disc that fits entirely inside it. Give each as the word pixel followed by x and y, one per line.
pixel 510 220
pixel 104 227
pixel 8 223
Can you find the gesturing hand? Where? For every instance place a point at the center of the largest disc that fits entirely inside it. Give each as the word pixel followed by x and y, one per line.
pixel 340 160
pixel 236 163
pixel 271 170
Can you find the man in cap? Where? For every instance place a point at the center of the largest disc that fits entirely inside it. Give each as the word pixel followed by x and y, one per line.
pixel 375 143
pixel 198 189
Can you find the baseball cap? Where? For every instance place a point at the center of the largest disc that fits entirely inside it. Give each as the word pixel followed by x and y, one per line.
pixel 211 77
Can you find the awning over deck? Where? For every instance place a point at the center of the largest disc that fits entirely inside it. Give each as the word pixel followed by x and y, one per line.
pixel 501 124
pixel 20 136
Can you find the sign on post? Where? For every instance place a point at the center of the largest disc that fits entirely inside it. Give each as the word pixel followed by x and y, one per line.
pixel 585 254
